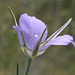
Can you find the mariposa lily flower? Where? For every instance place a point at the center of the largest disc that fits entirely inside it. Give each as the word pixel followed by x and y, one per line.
pixel 34 33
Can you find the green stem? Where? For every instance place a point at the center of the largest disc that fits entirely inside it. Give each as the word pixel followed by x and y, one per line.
pixel 17 71
pixel 28 66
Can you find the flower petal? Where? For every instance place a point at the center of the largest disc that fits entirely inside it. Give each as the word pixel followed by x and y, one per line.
pixel 25 22
pixel 32 25
pixel 30 41
pixel 37 27
pixel 62 40
pixel 19 35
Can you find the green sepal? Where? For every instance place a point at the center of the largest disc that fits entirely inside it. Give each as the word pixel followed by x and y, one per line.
pixel 37 47
pixel 55 34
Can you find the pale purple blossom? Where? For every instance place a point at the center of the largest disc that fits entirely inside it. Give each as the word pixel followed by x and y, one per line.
pixel 32 28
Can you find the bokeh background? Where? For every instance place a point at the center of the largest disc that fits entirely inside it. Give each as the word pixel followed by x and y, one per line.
pixel 57 60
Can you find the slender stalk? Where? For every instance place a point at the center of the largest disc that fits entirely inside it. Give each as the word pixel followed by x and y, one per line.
pixel 17 71
pixel 28 66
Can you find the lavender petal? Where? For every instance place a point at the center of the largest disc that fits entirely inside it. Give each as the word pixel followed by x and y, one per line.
pixel 19 35
pixel 25 22
pixel 30 41
pixel 61 40
pixel 37 27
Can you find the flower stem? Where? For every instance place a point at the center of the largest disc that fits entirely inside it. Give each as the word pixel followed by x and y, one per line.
pixel 28 66
pixel 17 71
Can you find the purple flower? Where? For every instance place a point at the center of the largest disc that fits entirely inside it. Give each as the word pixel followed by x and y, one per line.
pixel 34 32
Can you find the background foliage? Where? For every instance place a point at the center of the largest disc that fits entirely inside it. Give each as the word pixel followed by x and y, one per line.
pixel 57 60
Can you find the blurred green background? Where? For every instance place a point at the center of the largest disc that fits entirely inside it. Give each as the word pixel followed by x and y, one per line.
pixel 57 60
